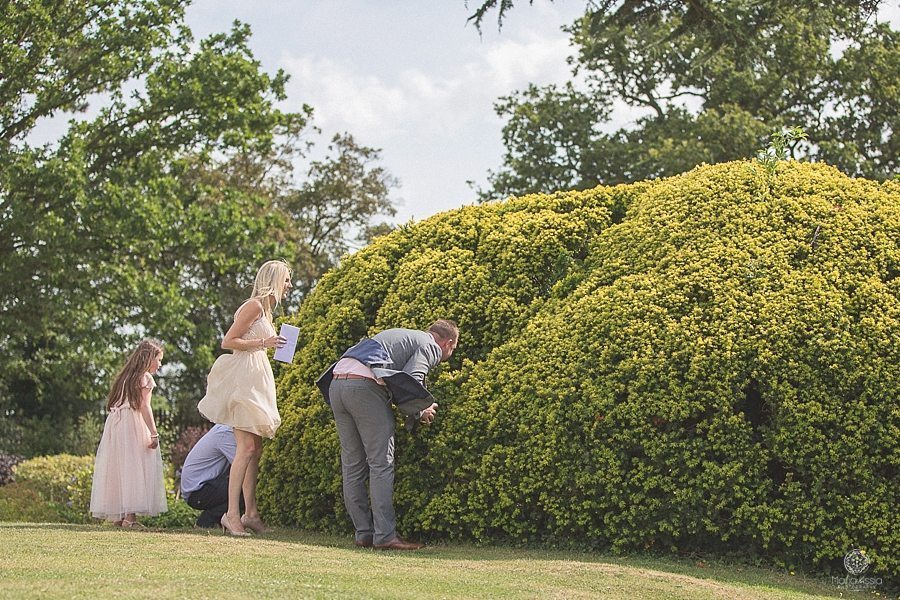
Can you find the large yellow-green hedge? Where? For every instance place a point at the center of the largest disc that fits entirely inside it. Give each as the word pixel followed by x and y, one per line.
pixel 709 362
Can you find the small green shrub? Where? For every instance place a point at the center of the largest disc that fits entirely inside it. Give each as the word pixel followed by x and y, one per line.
pixel 51 476
pixel 780 142
pixel 179 515
pixel 21 503
pixel 63 485
pixel 63 481
pixel 77 508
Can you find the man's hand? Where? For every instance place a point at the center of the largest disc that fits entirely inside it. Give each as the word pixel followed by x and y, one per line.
pixel 429 413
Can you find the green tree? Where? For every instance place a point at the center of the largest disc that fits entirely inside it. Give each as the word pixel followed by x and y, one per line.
pixel 553 138
pixel 54 54
pixel 333 208
pixel 148 218
pixel 695 14
pixel 711 80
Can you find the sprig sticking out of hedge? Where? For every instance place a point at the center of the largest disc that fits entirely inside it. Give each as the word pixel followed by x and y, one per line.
pixel 780 143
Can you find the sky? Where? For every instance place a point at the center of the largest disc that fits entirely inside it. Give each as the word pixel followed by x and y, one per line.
pixel 410 77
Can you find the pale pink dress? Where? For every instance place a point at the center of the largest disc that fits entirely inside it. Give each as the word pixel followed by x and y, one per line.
pixel 240 387
pixel 128 475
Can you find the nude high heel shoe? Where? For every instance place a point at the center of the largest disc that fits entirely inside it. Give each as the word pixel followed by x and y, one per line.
pixel 226 528
pixel 255 524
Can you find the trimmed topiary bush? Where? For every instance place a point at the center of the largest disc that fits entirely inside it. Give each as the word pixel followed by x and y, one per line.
pixel 703 363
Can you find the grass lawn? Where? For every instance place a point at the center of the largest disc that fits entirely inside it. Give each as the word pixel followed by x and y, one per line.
pixel 98 562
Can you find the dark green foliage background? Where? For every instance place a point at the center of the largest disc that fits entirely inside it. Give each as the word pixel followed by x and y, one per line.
pixel 703 363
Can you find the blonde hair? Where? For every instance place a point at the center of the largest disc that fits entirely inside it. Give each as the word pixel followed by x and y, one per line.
pixel 270 282
pixel 128 383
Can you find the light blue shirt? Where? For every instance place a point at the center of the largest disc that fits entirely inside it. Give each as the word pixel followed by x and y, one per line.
pixel 208 458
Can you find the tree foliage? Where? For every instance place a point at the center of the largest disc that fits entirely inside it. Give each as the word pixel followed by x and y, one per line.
pixel 708 81
pixel 55 54
pixel 335 204
pixel 150 215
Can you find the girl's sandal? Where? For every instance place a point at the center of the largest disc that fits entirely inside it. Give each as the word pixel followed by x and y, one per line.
pixel 132 525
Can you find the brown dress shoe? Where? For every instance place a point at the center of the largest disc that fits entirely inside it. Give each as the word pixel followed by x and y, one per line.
pixel 399 543
pixel 366 543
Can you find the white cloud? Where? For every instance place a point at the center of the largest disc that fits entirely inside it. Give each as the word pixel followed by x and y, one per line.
pixel 344 99
pixel 430 99
pixel 532 58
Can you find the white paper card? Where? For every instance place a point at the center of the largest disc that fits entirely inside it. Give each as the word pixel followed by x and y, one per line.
pixel 285 354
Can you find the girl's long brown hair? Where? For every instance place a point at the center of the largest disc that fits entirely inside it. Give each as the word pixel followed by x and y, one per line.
pixel 128 383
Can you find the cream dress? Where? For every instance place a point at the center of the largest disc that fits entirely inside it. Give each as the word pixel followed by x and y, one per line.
pixel 128 476
pixel 240 388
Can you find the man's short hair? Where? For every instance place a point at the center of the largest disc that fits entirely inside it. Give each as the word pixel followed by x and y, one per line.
pixel 444 329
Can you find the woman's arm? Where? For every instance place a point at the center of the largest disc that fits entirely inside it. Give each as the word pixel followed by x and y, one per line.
pixel 249 312
pixel 147 414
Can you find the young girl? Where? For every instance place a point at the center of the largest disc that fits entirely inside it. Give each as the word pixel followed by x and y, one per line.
pixel 128 471
pixel 240 392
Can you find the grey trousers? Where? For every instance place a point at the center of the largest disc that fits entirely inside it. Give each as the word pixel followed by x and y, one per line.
pixel 365 425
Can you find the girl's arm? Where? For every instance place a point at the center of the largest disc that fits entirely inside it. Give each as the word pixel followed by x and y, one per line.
pixel 147 414
pixel 249 312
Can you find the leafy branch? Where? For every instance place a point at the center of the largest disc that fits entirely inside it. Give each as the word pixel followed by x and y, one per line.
pixel 777 150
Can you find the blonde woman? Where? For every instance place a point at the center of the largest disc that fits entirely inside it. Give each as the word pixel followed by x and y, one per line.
pixel 240 392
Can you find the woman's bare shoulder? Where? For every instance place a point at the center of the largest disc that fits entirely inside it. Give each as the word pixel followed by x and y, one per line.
pixel 251 308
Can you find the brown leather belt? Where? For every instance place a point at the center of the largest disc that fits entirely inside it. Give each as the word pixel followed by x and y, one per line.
pixel 351 376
